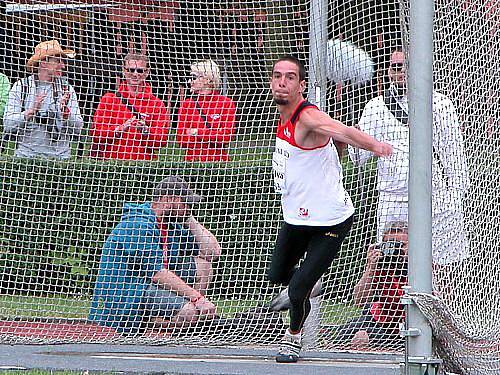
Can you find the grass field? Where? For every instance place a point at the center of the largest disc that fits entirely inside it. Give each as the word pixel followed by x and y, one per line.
pixel 64 308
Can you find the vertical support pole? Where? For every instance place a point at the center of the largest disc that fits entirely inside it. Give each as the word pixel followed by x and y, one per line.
pixel 318 38
pixel 420 82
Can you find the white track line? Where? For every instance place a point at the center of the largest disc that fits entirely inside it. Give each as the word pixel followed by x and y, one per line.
pixel 310 361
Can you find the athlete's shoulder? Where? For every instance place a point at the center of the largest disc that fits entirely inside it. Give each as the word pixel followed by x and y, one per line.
pixel 307 114
pixel 307 105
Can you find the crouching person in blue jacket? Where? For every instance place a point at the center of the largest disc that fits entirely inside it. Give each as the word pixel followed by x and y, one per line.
pixel 156 264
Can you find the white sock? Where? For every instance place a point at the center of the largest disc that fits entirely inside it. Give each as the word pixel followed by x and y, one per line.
pixel 294 335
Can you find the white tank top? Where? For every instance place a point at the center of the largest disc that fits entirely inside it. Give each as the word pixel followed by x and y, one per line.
pixel 309 179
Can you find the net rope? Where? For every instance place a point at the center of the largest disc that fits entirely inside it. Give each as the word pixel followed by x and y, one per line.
pixel 56 213
pixel 465 316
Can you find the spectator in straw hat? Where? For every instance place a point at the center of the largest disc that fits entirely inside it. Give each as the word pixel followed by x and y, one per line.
pixel 206 120
pixel 156 264
pixel 42 113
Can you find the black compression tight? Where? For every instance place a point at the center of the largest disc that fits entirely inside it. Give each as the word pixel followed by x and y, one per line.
pixel 322 245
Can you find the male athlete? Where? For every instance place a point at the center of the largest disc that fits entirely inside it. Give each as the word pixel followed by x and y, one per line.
pixel 317 210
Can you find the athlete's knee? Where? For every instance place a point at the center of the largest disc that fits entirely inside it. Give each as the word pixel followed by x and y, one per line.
pixel 279 276
pixel 299 291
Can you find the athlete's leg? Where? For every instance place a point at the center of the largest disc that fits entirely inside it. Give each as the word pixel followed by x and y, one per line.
pixel 290 246
pixel 323 249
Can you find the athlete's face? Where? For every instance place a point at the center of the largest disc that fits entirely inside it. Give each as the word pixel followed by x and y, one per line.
pixel 286 86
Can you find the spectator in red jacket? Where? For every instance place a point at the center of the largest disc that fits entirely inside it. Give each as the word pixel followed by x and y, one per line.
pixel 131 123
pixel 206 120
pixel 379 293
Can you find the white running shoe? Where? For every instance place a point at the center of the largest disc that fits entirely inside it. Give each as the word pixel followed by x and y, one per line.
pixel 289 348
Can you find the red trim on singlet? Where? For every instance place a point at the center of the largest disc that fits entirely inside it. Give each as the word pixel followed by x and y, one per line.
pixel 289 137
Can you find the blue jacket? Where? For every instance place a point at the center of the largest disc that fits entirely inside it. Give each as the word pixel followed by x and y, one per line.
pixel 131 255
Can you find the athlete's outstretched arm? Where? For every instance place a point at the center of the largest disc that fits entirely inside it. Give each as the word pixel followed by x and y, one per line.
pixel 319 122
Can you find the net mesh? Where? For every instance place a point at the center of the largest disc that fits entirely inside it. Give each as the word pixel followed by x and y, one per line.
pixel 58 211
pixel 465 317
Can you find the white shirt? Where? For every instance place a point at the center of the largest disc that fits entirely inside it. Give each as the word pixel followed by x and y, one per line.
pixel 309 181
pixel 33 139
pixel 448 163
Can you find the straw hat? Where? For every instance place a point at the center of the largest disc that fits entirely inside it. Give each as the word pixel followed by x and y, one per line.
pixel 47 49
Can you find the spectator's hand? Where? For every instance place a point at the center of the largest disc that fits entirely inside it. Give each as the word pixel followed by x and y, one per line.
pixel 382 149
pixel 373 256
pixel 205 307
pixel 141 126
pixel 39 98
pixel 127 124
pixel 189 219
pixel 360 341
pixel 63 103
pixel 191 131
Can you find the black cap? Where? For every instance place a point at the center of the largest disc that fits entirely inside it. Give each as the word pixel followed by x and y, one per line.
pixel 176 186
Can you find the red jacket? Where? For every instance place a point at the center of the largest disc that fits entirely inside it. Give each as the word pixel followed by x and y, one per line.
pixel 133 143
pixel 213 136
pixel 387 307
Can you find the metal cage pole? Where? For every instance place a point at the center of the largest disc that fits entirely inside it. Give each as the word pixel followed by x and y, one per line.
pixel 418 333
pixel 318 39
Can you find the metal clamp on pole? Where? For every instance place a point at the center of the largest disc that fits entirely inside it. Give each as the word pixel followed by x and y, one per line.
pixel 406 299
pixel 420 365
pixel 410 332
pixel 404 330
pixel 414 365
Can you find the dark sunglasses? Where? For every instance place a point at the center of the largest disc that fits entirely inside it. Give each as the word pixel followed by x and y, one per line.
pixel 136 70
pixel 196 76
pixel 397 66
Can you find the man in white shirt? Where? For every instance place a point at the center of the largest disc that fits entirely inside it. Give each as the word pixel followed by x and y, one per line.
pixel 386 119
